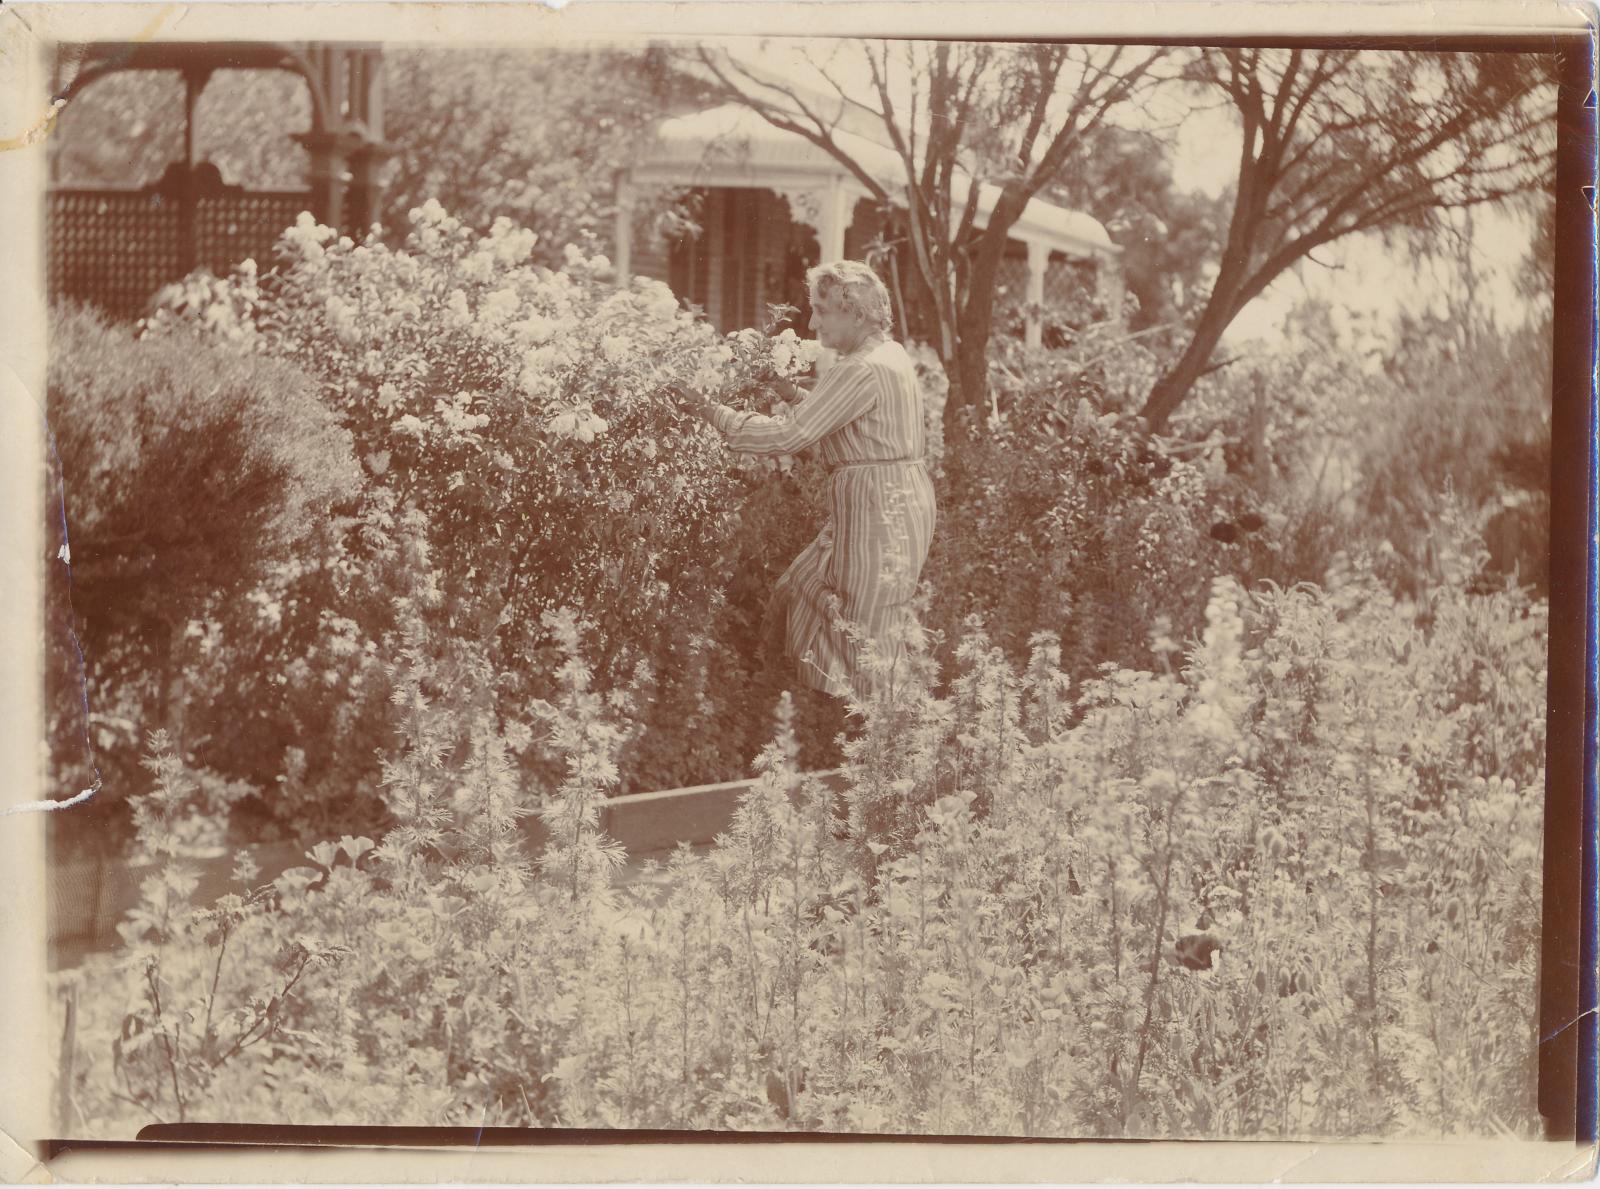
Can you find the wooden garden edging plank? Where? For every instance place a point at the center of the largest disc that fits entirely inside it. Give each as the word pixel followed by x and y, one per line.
pixel 649 823
pixel 87 900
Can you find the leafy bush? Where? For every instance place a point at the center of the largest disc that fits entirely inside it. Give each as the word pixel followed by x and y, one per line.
pixel 1065 517
pixel 188 471
pixel 1372 452
pixel 1290 888
pixel 1468 421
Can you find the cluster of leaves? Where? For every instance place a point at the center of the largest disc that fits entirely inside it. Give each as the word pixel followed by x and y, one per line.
pixel 1071 306
pixel 1169 235
pixel 1468 418
pixel 1373 452
pixel 1288 888
pixel 1101 361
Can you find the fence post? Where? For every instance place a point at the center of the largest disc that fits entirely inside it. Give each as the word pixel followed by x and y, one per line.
pixel 66 1062
pixel 1033 318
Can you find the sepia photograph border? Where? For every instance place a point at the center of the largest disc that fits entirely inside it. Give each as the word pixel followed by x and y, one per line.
pixel 1567 991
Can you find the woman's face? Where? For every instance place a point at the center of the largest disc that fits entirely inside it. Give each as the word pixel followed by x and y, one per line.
pixel 835 327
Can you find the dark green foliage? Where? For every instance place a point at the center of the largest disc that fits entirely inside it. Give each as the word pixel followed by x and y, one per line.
pixel 1067 520
pixel 189 469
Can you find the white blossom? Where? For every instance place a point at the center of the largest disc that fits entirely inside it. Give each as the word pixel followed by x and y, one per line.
pixel 478 267
pixel 430 212
pixel 536 328
pixel 307 236
pixel 499 306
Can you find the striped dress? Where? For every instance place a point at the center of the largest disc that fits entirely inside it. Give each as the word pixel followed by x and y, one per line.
pixel 855 582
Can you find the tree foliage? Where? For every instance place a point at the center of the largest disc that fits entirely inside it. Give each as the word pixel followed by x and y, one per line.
pixel 1338 142
pixel 125 128
pixel 1169 236
pixel 535 137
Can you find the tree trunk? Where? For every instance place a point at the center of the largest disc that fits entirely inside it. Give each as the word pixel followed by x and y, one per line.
pixel 1169 391
pixel 1260 464
pixel 966 391
pixel 969 386
pixel 969 378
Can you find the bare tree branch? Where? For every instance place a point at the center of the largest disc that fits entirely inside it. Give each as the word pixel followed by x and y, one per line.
pixel 1312 170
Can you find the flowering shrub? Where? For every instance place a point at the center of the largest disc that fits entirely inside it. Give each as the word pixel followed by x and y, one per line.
pixel 1286 887
pixel 513 419
pixel 750 361
pixel 748 367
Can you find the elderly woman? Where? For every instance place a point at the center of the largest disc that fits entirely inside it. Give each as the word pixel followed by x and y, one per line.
pixel 865 415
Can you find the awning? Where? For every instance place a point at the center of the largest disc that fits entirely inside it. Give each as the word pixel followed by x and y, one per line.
pixel 733 145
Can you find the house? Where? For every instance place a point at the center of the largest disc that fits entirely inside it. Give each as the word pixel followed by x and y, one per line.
pixel 772 203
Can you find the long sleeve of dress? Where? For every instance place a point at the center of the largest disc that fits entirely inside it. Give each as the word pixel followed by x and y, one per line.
pixel 844 394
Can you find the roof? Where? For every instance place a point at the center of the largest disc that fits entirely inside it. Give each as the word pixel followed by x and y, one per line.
pixel 734 145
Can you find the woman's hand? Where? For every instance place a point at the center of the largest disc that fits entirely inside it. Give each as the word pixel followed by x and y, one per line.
pixel 793 391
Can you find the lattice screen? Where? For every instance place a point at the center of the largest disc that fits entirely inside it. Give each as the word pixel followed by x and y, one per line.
pixel 232 227
pixel 114 248
pixel 1069 284
pixel 1011 293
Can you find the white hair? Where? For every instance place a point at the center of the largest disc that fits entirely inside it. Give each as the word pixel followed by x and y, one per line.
pixel 856 288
